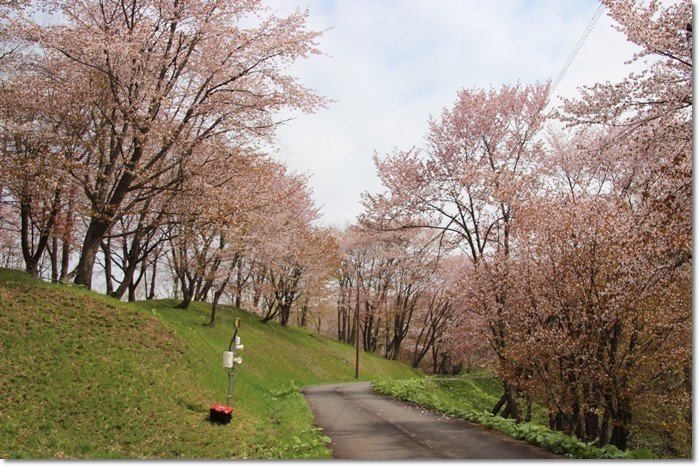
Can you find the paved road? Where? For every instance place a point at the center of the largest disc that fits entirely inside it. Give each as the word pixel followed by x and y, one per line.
pixel 365 425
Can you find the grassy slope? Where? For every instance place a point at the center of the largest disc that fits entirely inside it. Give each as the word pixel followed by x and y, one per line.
pixel 478 391
pixel 85 376
pixel 473 397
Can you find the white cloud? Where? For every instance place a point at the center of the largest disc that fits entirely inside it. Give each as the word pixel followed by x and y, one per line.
pixel 394 62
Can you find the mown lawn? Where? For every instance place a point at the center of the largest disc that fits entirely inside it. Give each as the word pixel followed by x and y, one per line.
pixel 277 362
pixel 86 376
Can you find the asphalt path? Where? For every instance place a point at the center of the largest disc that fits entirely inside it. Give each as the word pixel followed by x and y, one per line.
pixel 365 425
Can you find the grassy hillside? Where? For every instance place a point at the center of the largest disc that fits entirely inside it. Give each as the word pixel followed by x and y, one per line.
pixel 85 376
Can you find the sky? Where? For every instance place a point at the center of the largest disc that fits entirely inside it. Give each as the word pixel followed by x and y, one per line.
pixel 390 64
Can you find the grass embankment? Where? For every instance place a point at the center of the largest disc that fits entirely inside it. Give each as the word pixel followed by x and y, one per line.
pixel 86 376
pixel 472 399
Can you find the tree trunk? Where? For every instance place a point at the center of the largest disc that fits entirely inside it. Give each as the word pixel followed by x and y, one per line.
pixel 341 323
pixel 592 425
pixel 688 384
pixel 499 404
pixel 187 284
pixel 186 300
pixel 93 237
pixel 214 304
pixel 217 295
pixel 621 424
pixel 239 283
pixel 65 261
pixel 53 255
pixel 272 310
pixel 285 311
pixel 132 259
pixel 127 283
pixel 33 258
pixel 107 250
pixel 101 221
pixel 152 290
pixel 512 408
pixel 66 237
pixel 134 286
pixel 304 316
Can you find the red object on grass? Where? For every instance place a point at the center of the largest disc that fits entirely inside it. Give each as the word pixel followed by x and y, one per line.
pixel 220 413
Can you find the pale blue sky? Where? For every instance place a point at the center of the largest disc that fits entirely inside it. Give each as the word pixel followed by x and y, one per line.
pixel 392 63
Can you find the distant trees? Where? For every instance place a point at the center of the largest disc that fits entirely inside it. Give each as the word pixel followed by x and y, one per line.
pixel 397 285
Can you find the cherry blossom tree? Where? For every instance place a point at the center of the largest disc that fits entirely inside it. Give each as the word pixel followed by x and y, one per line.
pixel 587 299
pixel 213 216
pixel 480 167
pixel 157 79
pixel 644 122
pixel 322 261
pixel 32 156
pixel 610 264
pixel 396 283
pixel 288 247
pixel 367 274
pixel 437 316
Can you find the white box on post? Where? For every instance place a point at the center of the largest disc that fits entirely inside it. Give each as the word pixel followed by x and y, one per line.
pixel 228 360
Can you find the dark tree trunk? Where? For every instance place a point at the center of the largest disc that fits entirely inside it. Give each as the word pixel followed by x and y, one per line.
pixel 93 237
pixel 101 221
pixel 66 240
pixel 688 384
pixel 187 286
pixel 512 408
pixel 132 292
pixel 499 404
pixel 133 286
pixel 185 303
pixel 214 304
pixel 53 254
pixel 107 250
pixel 132 259
pixel 152 290
pixel 65 261
pixel 285 311
pixel 341 323
pixel 304 316
pixel 32 258
pixel 621 425
pixel 592 425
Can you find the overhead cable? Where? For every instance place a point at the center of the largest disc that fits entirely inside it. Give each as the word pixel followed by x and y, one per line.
pixel 577 47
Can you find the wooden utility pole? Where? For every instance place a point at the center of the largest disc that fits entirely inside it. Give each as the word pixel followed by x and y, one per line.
pixel 357 332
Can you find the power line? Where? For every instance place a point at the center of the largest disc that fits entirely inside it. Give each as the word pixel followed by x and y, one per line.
pixel 577 47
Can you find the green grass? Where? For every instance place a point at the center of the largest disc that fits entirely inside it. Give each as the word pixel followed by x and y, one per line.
pixel 85 376
pixel 277 361
pixel 473 398
pixel 477 392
